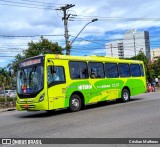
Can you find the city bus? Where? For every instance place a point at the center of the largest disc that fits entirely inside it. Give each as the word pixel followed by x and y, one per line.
pixel 52 82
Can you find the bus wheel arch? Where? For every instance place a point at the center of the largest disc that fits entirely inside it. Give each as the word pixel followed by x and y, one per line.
pixel 76 101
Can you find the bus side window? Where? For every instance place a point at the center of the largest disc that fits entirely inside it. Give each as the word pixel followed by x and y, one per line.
pixel 96 69
pixel 55 74
pixel 111 70
pixel 78 70
pixel 60 73
pixel 124 70
pixel 135 70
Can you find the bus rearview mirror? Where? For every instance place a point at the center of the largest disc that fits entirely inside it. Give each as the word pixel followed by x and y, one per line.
pixel 50 61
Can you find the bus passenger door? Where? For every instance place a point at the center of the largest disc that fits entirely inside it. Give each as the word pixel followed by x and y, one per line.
pixel 56 87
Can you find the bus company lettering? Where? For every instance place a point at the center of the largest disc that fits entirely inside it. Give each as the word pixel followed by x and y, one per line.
pixel 104 86
pixel 108 86
pixel 115 85
pixel 83 87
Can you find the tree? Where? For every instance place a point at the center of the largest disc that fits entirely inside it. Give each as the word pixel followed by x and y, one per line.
pixel 44 46
pixel 141 56
pixel 5 78
pixel 148 65
pixel 15 62
pixel 156 66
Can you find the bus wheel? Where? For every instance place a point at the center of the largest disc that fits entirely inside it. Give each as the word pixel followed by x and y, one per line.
pixel 125 95
pixel 75 103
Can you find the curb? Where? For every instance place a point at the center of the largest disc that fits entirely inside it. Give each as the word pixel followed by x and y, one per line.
pixel 7 109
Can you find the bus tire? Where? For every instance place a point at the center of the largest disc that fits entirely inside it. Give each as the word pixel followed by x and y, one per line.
pixel 75 103
pixel 125 95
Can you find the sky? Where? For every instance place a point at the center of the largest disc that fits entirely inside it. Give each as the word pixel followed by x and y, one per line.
pixel 23 21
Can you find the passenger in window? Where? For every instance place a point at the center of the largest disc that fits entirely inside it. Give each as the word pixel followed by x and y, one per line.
pixel 55 76
pixel 98 73
pixel 83 73
pixel 93 73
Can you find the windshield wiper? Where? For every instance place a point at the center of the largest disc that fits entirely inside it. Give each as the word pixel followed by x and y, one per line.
pixel 30 74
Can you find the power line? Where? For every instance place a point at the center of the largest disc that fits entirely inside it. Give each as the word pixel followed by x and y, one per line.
pixel 92 41
pixel 21 3
pixel 41 2
pixel 87 40
pixel 7 56
pixel 117 18
pixel 25 6
pixel 16 36
pixel 82 39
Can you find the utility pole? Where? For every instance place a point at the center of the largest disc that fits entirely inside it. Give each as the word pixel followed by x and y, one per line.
pixel 111 51
pixel 65 18
pixel 134 43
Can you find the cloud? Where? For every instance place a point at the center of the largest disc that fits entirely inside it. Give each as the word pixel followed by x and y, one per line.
pixel 82 43
pixel 2 60
pixel 24 21
pixel 99 51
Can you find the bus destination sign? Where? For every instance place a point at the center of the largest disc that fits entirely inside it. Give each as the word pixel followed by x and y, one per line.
pixel 30 62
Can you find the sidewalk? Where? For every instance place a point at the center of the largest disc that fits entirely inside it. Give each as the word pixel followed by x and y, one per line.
pixel 7 109
pixel 157 89
pixel 7 106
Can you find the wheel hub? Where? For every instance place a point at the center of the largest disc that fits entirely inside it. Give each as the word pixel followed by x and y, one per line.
pixel 125 96
pixel 75 103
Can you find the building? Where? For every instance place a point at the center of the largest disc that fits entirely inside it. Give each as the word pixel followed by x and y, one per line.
pixel 155 53
pixel 133 42
pixel 115 49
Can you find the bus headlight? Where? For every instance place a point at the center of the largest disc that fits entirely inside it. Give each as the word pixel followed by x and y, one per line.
pixel 41 98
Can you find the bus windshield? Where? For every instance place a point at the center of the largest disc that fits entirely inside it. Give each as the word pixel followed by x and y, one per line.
pixel 30 79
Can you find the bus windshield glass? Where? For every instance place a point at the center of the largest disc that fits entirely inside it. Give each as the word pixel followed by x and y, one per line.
pixel 30 79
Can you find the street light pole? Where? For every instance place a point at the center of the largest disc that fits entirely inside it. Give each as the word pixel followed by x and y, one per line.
pixel 93 20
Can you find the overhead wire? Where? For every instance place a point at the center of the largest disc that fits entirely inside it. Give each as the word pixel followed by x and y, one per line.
pixel 25 6
pixel 29 4
pixel 24 36
pixel 41 2
pixel 117 18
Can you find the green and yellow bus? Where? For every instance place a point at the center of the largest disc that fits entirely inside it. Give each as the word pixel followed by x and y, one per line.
pixel 51 82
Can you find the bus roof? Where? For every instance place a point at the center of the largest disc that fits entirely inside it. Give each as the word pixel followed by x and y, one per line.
pixel 91 58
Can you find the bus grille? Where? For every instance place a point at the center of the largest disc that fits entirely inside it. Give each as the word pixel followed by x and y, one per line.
pixel 29 107
pixel 26 102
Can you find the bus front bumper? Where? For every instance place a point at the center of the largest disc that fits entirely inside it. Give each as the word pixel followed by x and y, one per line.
pixel 32 106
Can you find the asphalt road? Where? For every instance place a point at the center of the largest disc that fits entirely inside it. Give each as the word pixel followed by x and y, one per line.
pixel 138 118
